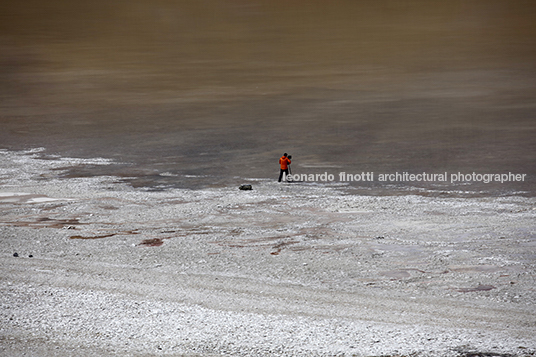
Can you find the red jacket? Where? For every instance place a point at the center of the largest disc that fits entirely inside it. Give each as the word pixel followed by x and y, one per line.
pixel 284 161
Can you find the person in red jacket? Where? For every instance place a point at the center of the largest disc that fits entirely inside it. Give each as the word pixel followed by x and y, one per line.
pixel 284 161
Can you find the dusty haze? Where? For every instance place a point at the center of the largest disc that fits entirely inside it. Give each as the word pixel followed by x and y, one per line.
pixel 217 89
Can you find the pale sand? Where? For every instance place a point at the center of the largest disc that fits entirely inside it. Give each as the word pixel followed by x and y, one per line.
pixel 283 270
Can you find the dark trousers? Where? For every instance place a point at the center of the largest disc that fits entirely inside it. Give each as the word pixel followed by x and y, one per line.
pixel 281 174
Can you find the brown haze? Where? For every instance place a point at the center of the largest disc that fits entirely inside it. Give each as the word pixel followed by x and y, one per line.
pixel 224 87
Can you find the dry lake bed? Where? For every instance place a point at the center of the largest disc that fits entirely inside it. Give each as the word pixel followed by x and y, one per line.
pixel 91 266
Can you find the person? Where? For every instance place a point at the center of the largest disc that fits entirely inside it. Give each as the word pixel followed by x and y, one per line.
pixel 284 161
pixel 289 159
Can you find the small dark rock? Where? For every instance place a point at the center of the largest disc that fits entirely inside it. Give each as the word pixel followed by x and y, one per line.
pixel 30 256
pixel 246 187
pixel 15 254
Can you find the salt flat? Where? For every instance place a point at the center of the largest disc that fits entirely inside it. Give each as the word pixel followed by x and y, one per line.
pixel 282 270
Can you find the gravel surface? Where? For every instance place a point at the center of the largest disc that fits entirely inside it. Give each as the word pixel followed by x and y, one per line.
pixel 281 270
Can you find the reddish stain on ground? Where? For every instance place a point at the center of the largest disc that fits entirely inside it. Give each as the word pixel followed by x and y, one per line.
pixel 104 236
pixel 478 288
pixel 153 242
pixel 45 222
pixel 93 237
